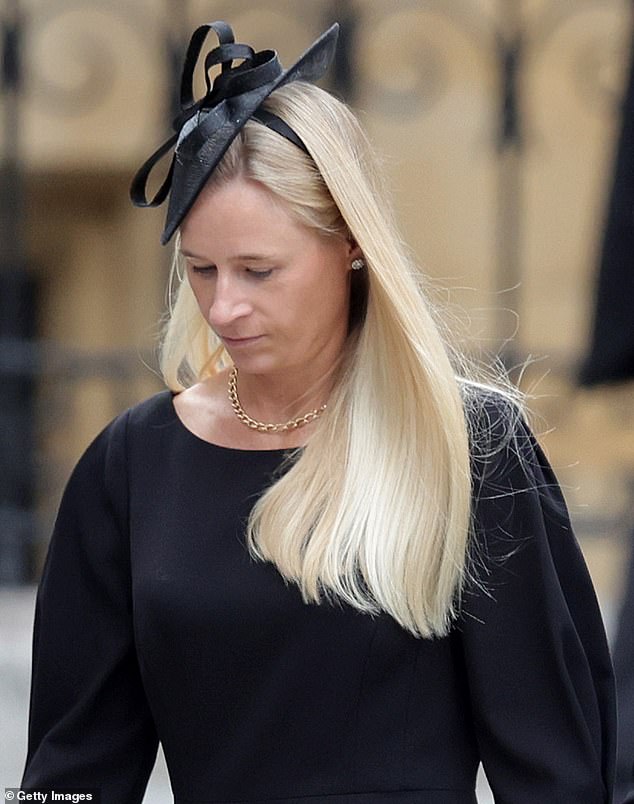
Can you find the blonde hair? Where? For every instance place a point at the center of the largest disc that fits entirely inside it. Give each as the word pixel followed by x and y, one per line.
pixel 375 511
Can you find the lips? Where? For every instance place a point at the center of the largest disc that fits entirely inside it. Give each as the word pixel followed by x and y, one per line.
pixel 239 341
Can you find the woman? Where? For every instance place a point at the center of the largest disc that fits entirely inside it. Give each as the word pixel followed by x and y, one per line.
pixel 324 566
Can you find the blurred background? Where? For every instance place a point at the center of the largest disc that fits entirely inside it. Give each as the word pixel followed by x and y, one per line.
pixel 498 122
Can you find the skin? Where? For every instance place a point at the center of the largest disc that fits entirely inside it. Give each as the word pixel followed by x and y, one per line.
pixel 277 294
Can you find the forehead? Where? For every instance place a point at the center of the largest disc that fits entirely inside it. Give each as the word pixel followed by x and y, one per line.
pixel 239 216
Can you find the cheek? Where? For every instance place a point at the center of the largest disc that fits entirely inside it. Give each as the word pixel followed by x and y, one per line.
pixel 202 296
pixel 330 293
pixel 324 305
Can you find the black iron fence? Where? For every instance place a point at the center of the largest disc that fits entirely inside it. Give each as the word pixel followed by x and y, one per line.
pixel 510 36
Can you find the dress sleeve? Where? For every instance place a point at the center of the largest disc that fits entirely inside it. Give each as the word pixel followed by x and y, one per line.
pixel 536 656
pixel 89 724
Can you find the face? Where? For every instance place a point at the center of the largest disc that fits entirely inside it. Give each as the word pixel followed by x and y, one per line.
pixel 274 291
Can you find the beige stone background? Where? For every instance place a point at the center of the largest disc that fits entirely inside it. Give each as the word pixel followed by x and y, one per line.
pixel 94 108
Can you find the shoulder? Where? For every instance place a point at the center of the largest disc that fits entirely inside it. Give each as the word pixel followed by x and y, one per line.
pixel 155 410
pixel 516 498
pixel 151 412
pixel 104 461
pixel 93 516
pixel 140 419
pixel 515 493
pixel 504 449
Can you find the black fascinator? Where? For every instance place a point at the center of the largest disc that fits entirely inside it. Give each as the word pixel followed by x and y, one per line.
pixel 206 127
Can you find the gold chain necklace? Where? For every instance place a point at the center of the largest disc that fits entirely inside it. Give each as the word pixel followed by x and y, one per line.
pixel 262 427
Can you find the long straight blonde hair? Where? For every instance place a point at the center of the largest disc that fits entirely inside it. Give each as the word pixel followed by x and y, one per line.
pixel 375 510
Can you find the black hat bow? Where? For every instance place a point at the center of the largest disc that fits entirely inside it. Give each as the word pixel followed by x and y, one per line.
pixel 205 128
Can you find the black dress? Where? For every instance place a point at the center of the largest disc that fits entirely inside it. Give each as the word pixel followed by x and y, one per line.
pixel 153 623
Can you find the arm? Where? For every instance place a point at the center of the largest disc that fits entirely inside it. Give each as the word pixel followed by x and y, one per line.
pixel 89 723
pixel 536 656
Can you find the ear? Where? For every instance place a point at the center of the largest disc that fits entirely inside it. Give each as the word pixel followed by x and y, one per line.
pixel 354 251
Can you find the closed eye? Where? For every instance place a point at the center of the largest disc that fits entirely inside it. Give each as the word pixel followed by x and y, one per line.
pixel 210 270
pixel 259 273
pixel 204 270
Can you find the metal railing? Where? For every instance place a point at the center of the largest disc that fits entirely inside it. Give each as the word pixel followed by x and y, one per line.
pixel 510 37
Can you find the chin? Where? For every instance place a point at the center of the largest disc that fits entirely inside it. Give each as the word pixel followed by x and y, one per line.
pixel 254 365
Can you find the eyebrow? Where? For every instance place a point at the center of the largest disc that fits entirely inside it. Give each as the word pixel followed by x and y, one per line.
pixel 237 258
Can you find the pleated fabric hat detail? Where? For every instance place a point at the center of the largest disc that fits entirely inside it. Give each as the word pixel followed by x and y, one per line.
pixel 206 127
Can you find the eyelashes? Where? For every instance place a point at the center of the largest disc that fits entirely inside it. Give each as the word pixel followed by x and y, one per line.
pixel 210 270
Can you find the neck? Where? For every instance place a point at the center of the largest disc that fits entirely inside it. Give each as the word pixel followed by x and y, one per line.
pixel 276 399
pixel 267 427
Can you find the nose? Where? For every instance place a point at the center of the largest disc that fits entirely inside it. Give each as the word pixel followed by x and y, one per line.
pixel 228 302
